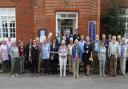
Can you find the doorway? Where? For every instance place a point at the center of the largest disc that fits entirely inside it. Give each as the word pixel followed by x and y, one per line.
pixel 66 22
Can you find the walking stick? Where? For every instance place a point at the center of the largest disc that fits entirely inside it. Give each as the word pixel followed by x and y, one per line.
pixel 39 63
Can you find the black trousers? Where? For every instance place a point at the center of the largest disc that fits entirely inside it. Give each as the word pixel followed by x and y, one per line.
pixel 6 66
pixel 46 63
pixel 127 66
pixel 54 66
pixel 34 66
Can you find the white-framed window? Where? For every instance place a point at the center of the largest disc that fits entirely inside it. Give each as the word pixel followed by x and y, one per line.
pixel 7 23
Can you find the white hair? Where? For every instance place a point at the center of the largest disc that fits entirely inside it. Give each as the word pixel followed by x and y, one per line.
pixel 63 42
pixel 71 39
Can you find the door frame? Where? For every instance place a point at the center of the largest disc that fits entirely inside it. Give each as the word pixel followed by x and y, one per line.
pixel 66 15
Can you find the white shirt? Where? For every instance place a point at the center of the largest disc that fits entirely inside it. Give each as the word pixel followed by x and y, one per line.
pixel 113 48
pixel 4 52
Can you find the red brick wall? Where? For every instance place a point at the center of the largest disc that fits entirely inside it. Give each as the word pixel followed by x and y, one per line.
pixel 87 9
pixel 32 15
pixel 24 17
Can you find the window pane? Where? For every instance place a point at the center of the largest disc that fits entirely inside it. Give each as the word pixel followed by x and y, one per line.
pixel 13 29
pixel 6 34
pixel 10 29
pixel 3 29
pixel 14 35
pixel 6 25
pixel 10 24
pixel 13 24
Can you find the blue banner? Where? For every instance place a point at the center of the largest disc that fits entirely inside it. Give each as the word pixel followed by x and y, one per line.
pixel 92 30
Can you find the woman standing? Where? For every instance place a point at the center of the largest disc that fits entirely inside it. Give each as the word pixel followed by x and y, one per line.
pixel 28 55
pixel 46 56
pixel 54 56
pixel 4 56
pixel 63 52
pixel 15 61
pixel 22 55
pixel 102 59
pixel 123 52
pixel 70 46
pixel 76 58
pixel 35 57
pixel 87 55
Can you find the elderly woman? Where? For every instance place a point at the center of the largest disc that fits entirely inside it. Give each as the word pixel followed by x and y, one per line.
pixel 123 55
pixel 63 52
pixel 15 61
pixel 87 55
pixel 4 55
pixel 76 58
pixel 22 55
pixel 54 56
pixel 35 57
pixel 102 58
pixel 46 56
pixel 70 46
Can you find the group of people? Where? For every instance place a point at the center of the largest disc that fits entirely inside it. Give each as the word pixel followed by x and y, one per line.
pixel 103 56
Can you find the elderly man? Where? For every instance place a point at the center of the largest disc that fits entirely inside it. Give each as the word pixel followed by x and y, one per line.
pixel 123 55
pixel 119 39
pixel 113 51
pixel 95 50
pixel 76 58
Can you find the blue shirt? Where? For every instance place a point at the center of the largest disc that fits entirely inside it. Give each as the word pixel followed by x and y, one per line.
pixel 96 46
pixel 81 44
pixel 74 51
pixel 122 50
pixel 46 51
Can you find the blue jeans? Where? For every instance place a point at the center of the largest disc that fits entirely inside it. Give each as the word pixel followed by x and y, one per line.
pixel 102 67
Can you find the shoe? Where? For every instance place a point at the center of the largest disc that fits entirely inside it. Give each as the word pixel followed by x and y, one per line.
pixel 60 75
pixel 17 75
pixel 64 75
pixel 87 74
pixel 13 76
pixel 77 76
pixel 104 75
pixel 74 76
pixel 100 75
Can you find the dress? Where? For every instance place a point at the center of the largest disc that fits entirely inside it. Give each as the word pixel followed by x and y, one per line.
pixel 87 54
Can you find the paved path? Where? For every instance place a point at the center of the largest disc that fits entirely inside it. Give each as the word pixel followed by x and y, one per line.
pixel 54 82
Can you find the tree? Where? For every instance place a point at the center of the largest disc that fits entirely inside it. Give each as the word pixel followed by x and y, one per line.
pixel 114 21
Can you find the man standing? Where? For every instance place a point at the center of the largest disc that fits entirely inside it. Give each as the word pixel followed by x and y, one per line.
pixel 119 39
pixel 113 51
pixel 95 49
pixel 81 44
pixel 76 57
pixel 76 35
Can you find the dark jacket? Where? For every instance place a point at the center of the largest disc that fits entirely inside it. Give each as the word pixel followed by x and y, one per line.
pixel 54 55
pixel 35 53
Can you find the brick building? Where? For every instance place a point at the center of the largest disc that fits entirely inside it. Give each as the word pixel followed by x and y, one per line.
pixel 22 19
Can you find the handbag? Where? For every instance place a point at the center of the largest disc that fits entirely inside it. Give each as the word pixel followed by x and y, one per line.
pixel 91 59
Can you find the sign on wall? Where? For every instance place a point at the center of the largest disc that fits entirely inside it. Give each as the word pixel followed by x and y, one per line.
pixel 42 34
pixel 92 30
